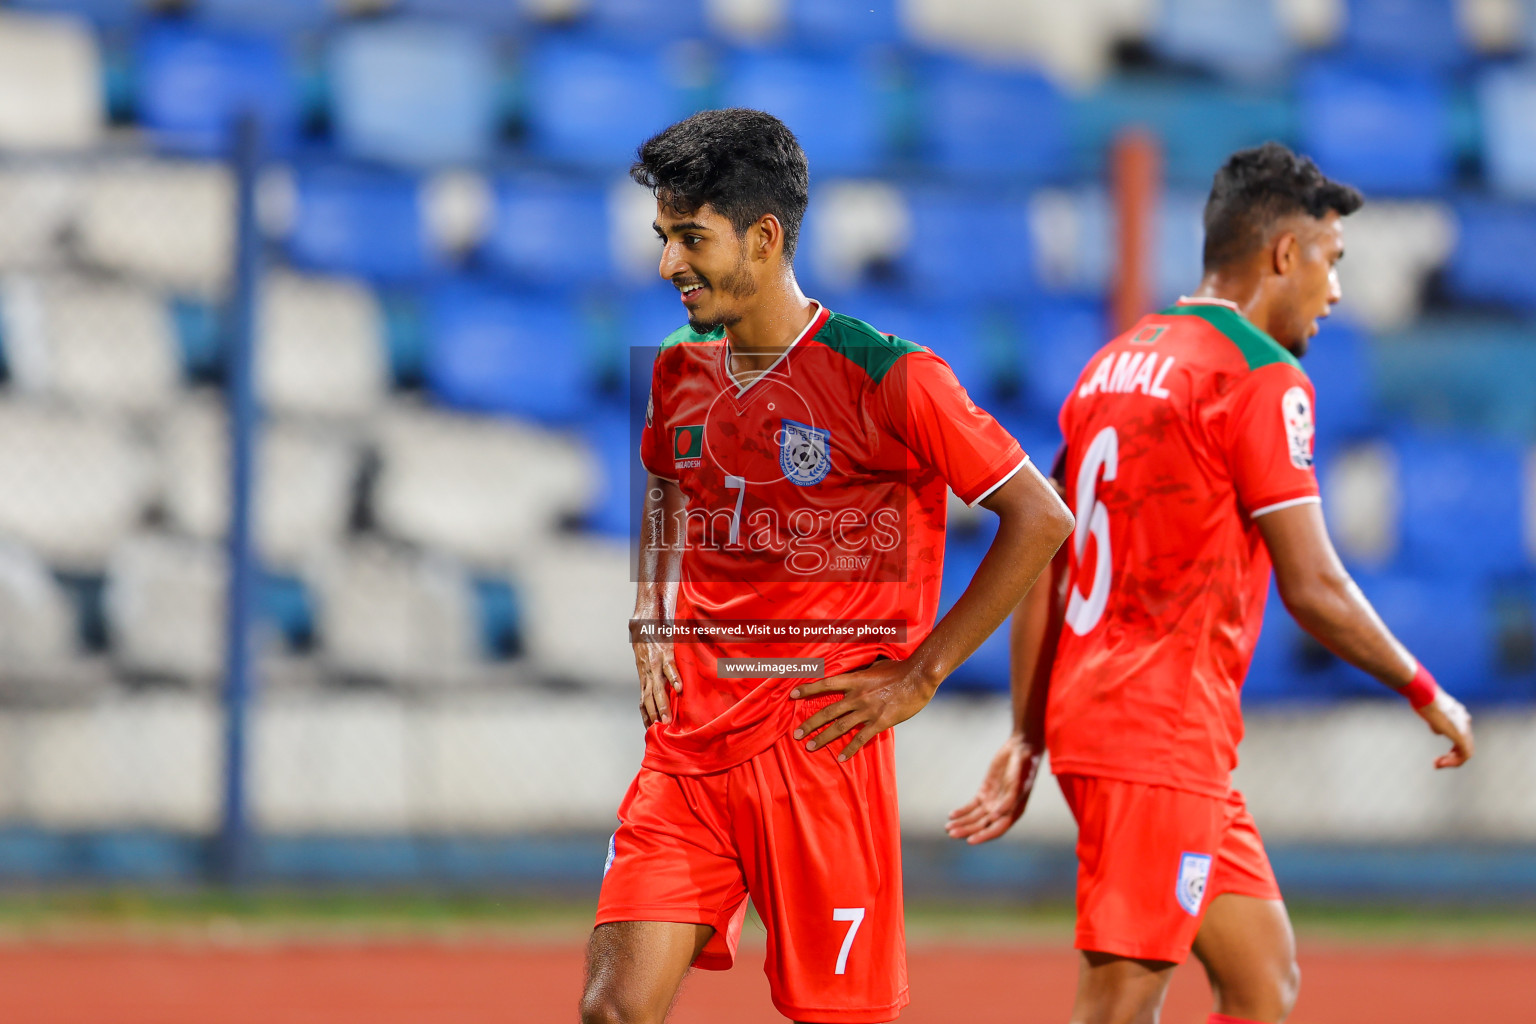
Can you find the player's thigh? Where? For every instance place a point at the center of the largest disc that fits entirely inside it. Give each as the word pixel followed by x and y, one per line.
pixel 821 849
pixel 634 969
pixel 1249 952
pixel 1120 990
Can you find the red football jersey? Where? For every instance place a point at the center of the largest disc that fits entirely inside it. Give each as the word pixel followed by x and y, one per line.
pixel 1179 434
pixel 816 493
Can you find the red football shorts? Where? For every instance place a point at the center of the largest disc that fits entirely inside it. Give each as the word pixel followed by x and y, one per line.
pixel 1151 858
pixel 815 843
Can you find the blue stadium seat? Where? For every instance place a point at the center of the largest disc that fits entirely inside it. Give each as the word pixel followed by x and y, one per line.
pixel 356 221
pixel 1405 33
pixel 840 23
pixel 1060 336
pixel 968 245
pixel 193 82
pixel 1037 433
pixel 1338 362
pixel 109 13
pixel 490 350
pixel 1199 124
pixel 1506 96
pixel 834 105
pixel 1242 41
pixel 980 122
pixel 1382 130
pixel 499 15
pixel 615 436
pixel 1447 622
pixel 1495 251
pixel 549 231
pixel 414 92
pixel 655 20
pixel 267 15
pixel 986 671
pixel 955 334
pixel 1463 504
pixel 592 105
pixel 1178 244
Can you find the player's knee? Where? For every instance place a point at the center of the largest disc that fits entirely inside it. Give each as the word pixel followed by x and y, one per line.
pixel 602 1005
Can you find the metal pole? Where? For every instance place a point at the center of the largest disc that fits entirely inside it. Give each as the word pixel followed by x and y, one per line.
pixel 1136 178
pixel 233 860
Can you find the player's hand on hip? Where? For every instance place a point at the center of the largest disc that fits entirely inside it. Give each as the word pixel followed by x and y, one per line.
pixel 1447 717
pixel 1003 794
pixel 875 698
pixel 658 675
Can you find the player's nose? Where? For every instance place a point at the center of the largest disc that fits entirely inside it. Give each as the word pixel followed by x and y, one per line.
pixel 671 262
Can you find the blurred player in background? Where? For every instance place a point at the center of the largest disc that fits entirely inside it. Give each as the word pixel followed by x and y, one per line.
pixel 798 464
pixel 1188 463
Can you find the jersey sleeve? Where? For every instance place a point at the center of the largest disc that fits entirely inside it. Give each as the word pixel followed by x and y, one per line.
pixel 929 412
pixel 655 452
pixel 1269 435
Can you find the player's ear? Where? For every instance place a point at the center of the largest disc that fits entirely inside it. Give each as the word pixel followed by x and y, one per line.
pixel 766 237
pixel 1286 252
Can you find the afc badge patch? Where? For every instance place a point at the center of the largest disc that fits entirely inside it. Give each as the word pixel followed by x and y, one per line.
pixel 1296 410
pixel 1194 872
pixel 805 452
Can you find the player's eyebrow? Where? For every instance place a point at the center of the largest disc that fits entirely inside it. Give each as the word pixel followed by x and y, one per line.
pixel 687 225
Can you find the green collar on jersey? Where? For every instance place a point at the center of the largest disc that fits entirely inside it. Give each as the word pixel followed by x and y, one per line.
pixel 1258 348
pixel 855 340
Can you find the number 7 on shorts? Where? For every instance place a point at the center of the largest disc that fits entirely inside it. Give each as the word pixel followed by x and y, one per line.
pixel 856 916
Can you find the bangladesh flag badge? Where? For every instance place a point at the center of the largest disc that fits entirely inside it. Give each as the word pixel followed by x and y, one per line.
pixel 688 442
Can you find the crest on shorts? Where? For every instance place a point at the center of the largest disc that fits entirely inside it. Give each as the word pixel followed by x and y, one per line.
pixel 805 452
pixel 1194 871
pixel 1296 410
pixel 609 862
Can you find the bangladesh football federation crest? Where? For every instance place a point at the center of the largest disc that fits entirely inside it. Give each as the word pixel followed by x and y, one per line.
pixel 1194 871
pixel 805 452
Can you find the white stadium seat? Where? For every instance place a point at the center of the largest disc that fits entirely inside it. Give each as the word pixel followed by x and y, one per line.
pixel 37 205
pixel 485 490
pixel 577 599
pixel 1394 247
pixel 320 348
pixel 169 223
pixel 165 601
pixel 37 622
pixel 71 483
pixel 383 612
pixel 95 343
pixel 50 83
pixel 304 477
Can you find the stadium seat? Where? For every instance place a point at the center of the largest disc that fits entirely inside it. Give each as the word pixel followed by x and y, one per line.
pixel 1338 362
pixel 986 671
pixel 1071 231
pixel 1406 33
pixel 591 105
pixel 967 246
pixel 37 621
pixel 391 614
pixel 95 343
pixel 496 15
pixel 274 16
pixel 958 335
pixel 1464 501
pixel 552 233
pixel 983 123
pixel 168 223
pixel 613 435
pixel 193 82
pixel 50 76
pixel 164 601
pixel 1506 95
pixel 355 221
pixel 1360 501
pixel 418 93
pixel 577 598
pixel 1382 129
pixel 37 206
pixel 853 230
pixel 320 347
pixel 1393 248
pixel 486 491
pixel 1199 124
pixel 1447 622
pixel 71 483
pixel 837 24
pixel 1060 337
pixel 1495 247
pixel 497 351
pixel 1178 245
pixel 834 104
pixel 1234 40
pixel 305 476
pixel 645 20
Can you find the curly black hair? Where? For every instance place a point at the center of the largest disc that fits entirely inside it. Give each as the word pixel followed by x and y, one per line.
pixel 1258 186
pixel 742 162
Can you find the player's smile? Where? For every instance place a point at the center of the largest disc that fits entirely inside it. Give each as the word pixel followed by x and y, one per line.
pixel 692 291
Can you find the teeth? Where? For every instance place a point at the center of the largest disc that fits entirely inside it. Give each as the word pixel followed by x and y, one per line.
pixel 690 289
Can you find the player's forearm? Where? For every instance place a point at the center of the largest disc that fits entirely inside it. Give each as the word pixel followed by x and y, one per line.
pixel 1032 638
pixel 1334 611
pixel 660 562
pixel 1032 523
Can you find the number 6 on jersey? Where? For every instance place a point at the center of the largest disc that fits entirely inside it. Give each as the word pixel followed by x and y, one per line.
pixel 1102 457
pixel 856 916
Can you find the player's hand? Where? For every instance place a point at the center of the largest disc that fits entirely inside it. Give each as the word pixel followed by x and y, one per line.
pixel 1448 718
pixel 886 693
pixel 1002 796
pixel 658 674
